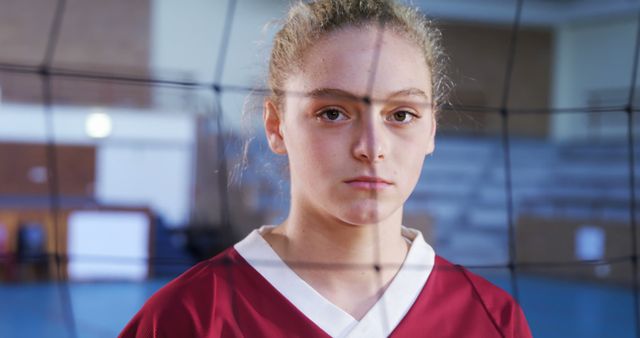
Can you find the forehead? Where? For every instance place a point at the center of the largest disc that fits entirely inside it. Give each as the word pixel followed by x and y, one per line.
pixel 365 61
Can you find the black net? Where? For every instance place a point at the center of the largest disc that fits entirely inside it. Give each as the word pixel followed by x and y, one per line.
pixel 508 176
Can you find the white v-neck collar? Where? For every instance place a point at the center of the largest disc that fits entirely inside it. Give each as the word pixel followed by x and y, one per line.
pixel 381 319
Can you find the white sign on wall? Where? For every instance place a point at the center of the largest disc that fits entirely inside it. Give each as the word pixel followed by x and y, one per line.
pixel 108 245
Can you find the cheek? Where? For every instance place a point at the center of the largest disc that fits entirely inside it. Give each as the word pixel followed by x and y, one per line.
pixel 410 160
pixel 315 152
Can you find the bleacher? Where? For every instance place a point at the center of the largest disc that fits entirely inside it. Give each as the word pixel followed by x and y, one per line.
pixel 463 187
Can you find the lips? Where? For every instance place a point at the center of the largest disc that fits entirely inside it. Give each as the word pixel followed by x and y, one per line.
pixel 369 182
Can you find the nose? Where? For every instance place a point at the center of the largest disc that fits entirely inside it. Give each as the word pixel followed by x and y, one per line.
pixel 370 142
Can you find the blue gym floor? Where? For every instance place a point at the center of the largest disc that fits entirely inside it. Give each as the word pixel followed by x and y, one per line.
pixel 554 308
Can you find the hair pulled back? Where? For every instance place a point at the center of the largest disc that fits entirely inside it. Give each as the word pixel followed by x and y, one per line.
pixel 306 22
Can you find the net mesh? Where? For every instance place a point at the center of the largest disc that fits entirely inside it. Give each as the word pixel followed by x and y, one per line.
pixel 47 72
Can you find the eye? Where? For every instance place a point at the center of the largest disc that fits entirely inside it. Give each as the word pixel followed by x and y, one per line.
pixel 332 114
pixel 402 116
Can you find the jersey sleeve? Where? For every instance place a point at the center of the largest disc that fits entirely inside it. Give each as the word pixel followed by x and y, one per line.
pixel 142 325
pixel 159 322
pixel 181 308
pixel 505 312
pixel 520 327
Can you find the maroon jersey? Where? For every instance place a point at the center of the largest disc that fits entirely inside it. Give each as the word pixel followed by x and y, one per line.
pixel 248 291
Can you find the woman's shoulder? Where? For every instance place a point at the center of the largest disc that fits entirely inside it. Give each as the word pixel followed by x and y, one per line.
pixel 459 277
pixel 179 306
pixel 464 290
pixel 200 277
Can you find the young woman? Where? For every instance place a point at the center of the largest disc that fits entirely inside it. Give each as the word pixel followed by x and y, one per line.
pixel 356 90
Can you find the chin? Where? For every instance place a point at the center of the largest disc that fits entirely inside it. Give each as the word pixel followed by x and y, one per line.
pixel 358 215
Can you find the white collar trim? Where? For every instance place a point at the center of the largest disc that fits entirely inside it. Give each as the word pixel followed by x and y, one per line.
pixel 381 319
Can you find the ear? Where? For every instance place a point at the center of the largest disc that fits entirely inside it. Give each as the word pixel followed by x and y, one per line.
pixel 273 126
pixel 431 145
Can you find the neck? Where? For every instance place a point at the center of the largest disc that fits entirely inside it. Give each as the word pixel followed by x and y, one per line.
pixel 329 240
pixel 355 285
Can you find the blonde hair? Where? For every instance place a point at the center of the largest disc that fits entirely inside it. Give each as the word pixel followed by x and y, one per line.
pixel 306 22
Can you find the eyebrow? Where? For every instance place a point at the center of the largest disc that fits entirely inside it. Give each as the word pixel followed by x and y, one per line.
pixel 333 93
pixel 345 95
pixel 409 92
